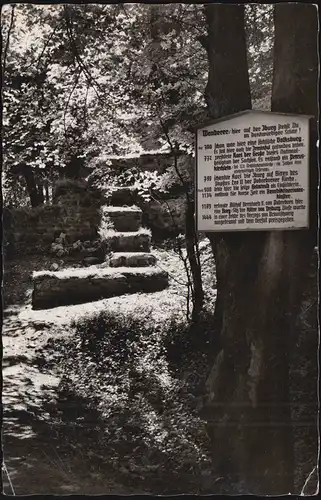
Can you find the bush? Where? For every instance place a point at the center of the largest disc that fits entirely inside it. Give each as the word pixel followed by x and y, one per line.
pixel 66 185
pixel 76 192
pixel 191 350
pixel 118 363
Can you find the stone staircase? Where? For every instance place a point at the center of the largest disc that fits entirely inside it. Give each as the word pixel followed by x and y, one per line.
pixel 129 267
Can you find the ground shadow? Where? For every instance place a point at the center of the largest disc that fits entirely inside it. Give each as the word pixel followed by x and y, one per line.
pixel 49 438
pixel 47 451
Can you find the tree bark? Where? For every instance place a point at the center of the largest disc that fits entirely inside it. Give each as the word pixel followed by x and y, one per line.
pixel 260 280
pixel 228 88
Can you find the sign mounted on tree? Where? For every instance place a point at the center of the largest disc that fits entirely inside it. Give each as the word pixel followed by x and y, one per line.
pixel 252 172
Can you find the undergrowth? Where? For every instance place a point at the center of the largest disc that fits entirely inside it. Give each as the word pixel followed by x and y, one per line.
pixel 144 378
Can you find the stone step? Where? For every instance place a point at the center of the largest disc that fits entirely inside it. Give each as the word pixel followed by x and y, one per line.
pixel 90 261
pixel 123 218
pixel 120 196
pixel 138 241
pixel 76 286
pixel 132 259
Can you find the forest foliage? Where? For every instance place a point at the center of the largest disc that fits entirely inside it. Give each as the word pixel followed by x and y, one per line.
pixel 85 82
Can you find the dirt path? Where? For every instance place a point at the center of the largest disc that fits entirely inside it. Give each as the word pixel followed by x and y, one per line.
pixel 40 456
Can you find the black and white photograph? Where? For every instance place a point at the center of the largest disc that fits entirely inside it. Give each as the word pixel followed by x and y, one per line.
pixel 160 258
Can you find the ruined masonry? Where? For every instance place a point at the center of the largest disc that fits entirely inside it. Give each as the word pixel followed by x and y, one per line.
pixel 129 267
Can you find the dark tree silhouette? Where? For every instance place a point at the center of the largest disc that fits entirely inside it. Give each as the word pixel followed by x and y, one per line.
pixel 261 276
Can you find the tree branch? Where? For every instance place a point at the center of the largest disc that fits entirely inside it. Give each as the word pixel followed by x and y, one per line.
pixel 46 45
pixel 68 101
pixel 6 48
pixel 80 62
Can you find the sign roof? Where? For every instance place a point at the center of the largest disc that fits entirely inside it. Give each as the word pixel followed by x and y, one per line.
pixel 247 112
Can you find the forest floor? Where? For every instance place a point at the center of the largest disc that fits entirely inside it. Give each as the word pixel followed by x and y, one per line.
pixel 46 455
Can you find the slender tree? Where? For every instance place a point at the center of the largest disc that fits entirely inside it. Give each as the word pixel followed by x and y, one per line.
pixel 259 276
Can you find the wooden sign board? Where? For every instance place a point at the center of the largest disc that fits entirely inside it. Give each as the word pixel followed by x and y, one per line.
pixel 252 172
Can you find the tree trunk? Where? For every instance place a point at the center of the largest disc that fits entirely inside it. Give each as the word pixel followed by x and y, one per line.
pixel 47 195
pixel 228 88
pixel 191 243
pixel 260 276
pixel 31 186
pixel 295 90
pixel 295 77
pixel 41 197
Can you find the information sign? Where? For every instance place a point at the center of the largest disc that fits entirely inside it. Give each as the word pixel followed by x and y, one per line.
pixel 252 172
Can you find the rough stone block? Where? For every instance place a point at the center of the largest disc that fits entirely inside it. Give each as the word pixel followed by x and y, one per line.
pixel 76 286
pixel 124 218
pixel 132 259
pixel 138 241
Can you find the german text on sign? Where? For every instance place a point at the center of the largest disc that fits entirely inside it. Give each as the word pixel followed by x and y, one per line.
pixel 252 172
